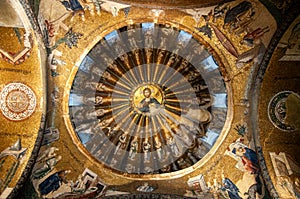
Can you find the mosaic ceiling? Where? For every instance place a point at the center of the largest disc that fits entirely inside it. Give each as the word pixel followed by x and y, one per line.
pixel 146 106
pixel 139 99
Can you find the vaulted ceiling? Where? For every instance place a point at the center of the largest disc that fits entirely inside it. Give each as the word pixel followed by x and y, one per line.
pixel 162 99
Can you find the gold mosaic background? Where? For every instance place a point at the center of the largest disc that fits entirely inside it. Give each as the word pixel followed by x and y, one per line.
pixel 215 165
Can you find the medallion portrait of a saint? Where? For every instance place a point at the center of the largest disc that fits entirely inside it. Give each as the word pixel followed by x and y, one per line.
pixel 148 101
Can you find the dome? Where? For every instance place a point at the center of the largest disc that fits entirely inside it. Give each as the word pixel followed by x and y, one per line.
pixel 142 105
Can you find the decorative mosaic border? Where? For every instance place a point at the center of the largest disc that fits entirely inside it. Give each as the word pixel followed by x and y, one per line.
pixel 151 196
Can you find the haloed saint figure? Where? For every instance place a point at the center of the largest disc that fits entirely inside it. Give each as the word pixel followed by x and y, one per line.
pixel 148 101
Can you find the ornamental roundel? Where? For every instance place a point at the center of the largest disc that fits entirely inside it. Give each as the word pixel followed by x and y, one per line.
pixel 278 110
pixel 148 99
pixel 17 101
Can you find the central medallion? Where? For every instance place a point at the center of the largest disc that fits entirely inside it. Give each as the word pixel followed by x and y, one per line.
pixel 147 99
pixel 142 105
